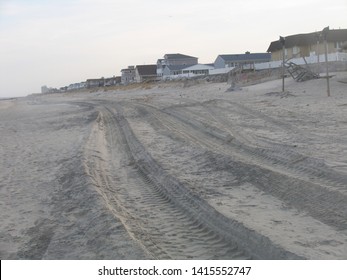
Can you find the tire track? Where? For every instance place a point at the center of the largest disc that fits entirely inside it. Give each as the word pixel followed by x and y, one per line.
pixel 162 214
pixel 289 160
pixel 321 202
pixel 285 155
pixel 273 154
pixel 168 226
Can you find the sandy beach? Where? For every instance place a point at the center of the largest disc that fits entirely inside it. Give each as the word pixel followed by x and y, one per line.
pixel 176 171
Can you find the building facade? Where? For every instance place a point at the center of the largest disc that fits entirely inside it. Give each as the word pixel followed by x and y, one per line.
pixel 145 73
pixel 112 81
pixel 90 83
pixel 75 86
pixel 128 75
pixel 245 61
pixel 304 45
pixel 176 59
pixel 186 71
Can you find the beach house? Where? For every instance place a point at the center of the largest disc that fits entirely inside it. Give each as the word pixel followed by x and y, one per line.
pixel 245 61
pixel 308 44
pixel 145 73
pixel 176 59
pixel 128 75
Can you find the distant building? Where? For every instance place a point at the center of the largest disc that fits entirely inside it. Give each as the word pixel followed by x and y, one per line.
pixel 118 80
pixel 90 83
pixel 198 70
pixel 304 45
pixel 44 89
pixel 186 71
pixel 77 86
pixel 179 59
pixel 174 59
pixel 145 72
pixel 160 67
pixel 174 70
pixel 244 61
pixel 112 81
pixel 128 75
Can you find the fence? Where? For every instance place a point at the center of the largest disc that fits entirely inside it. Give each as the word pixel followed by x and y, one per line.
pixel 332 57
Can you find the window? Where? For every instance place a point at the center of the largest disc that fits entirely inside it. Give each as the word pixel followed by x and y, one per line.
pixel 296 50
pixel 338 45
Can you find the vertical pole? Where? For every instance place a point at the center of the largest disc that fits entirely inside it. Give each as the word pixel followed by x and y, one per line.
pixel 327 66
pixel 325 33
pixel 282 41
pixel 318 65
pixel 283 61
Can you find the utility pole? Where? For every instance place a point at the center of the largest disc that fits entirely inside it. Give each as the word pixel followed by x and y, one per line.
pixel 283 41
pixel 325 35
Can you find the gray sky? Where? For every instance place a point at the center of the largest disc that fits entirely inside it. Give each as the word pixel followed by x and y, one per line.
pixel 58 42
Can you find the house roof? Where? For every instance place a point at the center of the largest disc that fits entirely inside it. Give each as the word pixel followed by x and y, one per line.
pixel 94 80
pixel 334 35
pixel 127 70
pixel 245 57
pixel 178 56
pixel 147 70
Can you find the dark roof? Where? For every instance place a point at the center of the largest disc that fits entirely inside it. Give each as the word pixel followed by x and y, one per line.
pixel 94 80
pixel 178 56
pixel 245 57
pixel 147 70
pixel 334 35
pixel 128 70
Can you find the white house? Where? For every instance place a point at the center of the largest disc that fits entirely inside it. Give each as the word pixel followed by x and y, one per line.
pixel 181 71
pixel 245 61
pixel 128 75
pixel 77 86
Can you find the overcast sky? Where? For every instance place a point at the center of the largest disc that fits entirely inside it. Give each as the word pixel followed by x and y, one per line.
pixel 59 42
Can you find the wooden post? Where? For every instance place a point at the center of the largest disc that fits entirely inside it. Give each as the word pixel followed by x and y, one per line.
pixel 327 66
pixel 283 54
pixel 282 40
pixel 325 34
pixel 318 35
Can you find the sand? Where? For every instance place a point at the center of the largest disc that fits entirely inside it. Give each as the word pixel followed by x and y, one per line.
pixel 169 171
